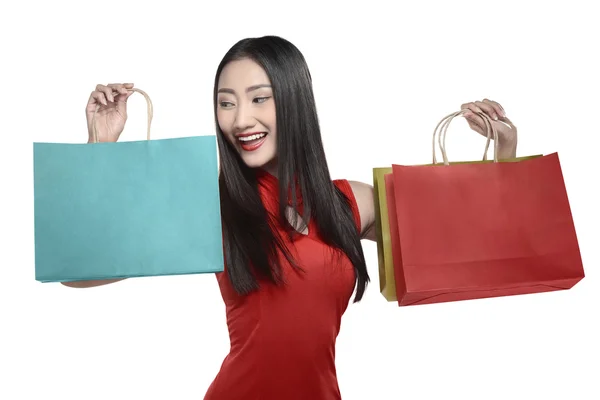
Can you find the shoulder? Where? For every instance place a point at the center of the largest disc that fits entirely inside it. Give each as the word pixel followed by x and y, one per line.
pixel 362 195
pixel 362 191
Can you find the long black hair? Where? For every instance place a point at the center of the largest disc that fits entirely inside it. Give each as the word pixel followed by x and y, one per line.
pixel 250 238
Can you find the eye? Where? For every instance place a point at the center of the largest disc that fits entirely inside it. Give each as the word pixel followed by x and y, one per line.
pixel 226 104
pixel 261 99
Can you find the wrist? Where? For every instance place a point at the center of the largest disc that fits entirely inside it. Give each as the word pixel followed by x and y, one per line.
pixel 507 148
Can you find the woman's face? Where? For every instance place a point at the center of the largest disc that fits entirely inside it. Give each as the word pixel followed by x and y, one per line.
pixel 246 112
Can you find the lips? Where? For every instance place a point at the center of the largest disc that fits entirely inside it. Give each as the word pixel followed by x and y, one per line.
pixel 251 141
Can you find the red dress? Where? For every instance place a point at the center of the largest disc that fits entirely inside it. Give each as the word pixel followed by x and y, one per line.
pixel 283 337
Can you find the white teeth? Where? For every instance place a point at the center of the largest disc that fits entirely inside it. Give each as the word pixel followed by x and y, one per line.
pixel 253 137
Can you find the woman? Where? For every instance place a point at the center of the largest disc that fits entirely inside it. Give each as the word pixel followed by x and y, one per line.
pixel 291 265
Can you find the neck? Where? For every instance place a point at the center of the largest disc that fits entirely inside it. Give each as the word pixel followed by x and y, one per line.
pixel 271 168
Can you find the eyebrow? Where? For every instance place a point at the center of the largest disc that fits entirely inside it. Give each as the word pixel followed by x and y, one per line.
pixel 249 89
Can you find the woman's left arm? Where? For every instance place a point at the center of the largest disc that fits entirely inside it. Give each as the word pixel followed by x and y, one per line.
pixel 365 199
pixel 507 148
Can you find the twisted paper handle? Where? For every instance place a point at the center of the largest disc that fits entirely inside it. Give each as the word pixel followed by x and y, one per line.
pixel 442 126
pixel 150 115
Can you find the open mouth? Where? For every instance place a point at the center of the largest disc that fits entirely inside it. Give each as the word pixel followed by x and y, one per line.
pixel 252 141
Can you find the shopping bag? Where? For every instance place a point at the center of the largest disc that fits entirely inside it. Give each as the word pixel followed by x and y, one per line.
pixel 127 209
pixel 387 284
pixel 480 230
pixel 384 221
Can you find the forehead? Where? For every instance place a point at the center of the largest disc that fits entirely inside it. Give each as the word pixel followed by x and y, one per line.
pixel 241 74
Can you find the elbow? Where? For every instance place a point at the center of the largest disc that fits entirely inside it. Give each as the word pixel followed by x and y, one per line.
pixel 78 285
pixel 88 284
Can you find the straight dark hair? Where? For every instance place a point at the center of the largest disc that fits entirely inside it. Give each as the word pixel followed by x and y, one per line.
pixel 250 238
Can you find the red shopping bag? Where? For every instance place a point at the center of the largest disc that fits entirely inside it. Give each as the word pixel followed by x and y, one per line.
pixel 468 231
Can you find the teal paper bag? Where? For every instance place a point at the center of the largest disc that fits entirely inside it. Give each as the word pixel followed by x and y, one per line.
pixel 128 209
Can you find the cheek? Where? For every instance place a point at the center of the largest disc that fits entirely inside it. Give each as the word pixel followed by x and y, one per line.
pixel 225 125
pixel 270 117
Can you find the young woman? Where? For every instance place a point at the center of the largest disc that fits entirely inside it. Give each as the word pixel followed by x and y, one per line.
pixel 291 234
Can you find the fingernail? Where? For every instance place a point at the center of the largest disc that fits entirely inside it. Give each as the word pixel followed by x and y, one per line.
pixel 104 102
pixel 495 117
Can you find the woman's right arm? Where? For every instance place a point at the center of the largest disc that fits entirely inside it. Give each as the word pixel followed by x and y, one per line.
pixel 89 284
pixel 110 122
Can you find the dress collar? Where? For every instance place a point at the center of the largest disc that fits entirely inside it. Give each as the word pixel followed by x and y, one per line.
pixel 269 187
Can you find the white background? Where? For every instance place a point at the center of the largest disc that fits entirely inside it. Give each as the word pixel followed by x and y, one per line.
pixel 384 76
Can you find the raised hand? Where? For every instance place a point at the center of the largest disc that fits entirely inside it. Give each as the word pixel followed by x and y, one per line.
pixel 112 112
pixel 507 131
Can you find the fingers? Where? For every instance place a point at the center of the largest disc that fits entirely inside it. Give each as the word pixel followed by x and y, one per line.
pixel 113 94
pixel 114 90
pixel 488 107
pixel 491 108
pixel 476 123
pixel 494 111
pixel 474 120
pixel 476 127
pixel 121 87
pixel 110 93
pixel 488 110
pixel 481 107
pixel 499 110
pixel 106 91
pixel 97 97
pixel 122 92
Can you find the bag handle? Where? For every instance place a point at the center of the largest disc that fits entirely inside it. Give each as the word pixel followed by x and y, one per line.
pixel 150 114
pixel 442 126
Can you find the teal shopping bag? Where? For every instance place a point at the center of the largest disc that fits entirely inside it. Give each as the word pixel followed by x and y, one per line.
pixel 128 209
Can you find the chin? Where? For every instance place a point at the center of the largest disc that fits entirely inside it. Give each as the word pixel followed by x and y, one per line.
pixel 257 160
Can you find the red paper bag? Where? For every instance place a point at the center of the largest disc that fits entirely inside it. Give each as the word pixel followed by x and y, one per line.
pixel 469 231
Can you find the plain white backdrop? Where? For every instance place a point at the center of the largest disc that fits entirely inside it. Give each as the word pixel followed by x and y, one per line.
pixel 384 75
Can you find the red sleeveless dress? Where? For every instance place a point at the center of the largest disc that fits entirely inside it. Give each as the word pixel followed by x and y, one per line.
pixel 283 337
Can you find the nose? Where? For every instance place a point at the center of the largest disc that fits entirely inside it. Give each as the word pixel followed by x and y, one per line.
pixel 243 119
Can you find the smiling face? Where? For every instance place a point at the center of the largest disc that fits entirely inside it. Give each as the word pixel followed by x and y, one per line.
pixel 246 113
